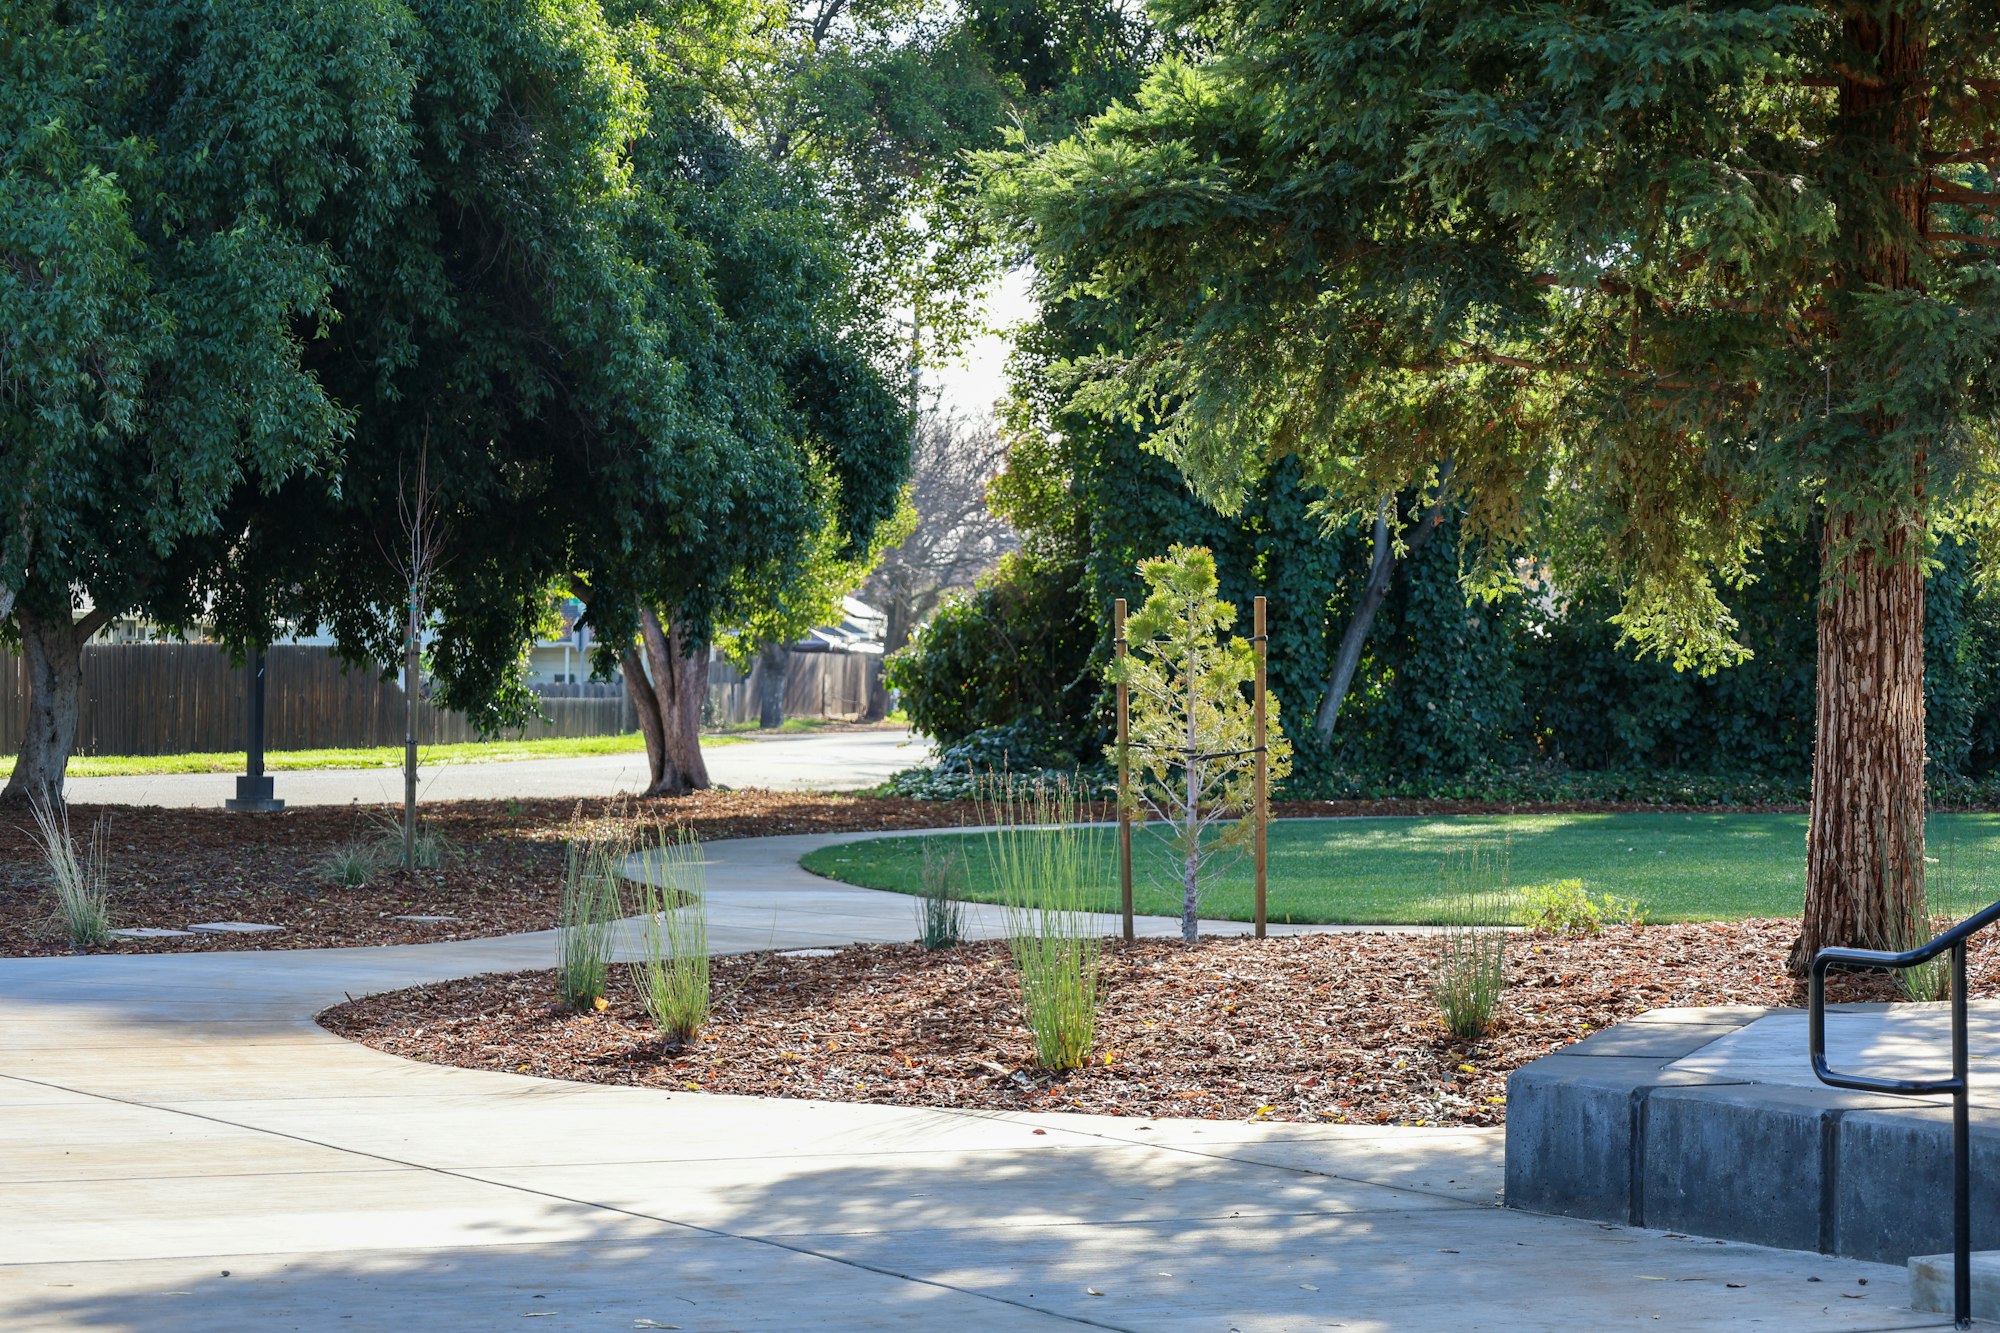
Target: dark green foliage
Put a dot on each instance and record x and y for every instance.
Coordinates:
(1015, 650)
(1440, 690)
(1027, 750)
(631, 348)
(177, 181)
(1598, 705)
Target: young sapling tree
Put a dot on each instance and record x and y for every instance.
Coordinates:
(1192, 743)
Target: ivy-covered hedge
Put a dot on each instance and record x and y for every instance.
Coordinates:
(1531, 698)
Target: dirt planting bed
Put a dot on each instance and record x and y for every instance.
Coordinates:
(1317, 1028)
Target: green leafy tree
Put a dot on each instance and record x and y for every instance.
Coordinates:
(1193, 734)
(1659, 281)
(634, 355)
(171, 178)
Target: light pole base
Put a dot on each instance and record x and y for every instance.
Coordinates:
(254, 795)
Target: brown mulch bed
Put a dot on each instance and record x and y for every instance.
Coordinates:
(1314, 1028)
(172, 868)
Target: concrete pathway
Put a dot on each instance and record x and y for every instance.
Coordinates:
(186, 1150)
(829, 761)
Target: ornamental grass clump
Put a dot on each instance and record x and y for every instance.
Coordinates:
(587, 921)
(672, 972)
(1951, 889)
(940, 913)
(424, 846)
(350, 866)
(1051, 870)
(1469, 947)
(81, 884)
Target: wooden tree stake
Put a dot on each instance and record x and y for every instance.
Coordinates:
(1124, 774)
(1262, 798)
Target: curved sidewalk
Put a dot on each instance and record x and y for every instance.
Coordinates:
(186, 1150)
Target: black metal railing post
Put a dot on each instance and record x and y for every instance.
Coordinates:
(1961, 1149)
(1958, 1086)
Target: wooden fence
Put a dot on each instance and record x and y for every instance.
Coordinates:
(185, 698)
(829, 685)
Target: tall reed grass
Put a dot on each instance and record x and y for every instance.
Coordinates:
(81, 884)
(1469, 947)
(587, 920)
(940, 912)
(672, 972)
(1049, 869)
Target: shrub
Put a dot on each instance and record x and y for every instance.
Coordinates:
(1049, 868)
(1469, 959)
(1566, 907)
(1017, 648)
(350, 866)
(672, 972)
(587, 923)
(430, 849)
(1027, 749)
(81, 885)
(940, 914)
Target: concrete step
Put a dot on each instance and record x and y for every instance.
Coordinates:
(1930, 1283)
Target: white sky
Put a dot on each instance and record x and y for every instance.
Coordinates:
(973, 382)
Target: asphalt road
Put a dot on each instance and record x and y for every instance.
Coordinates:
(833, 761)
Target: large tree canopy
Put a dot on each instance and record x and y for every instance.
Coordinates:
(628, 351)
(170, 174)
(1648, 280)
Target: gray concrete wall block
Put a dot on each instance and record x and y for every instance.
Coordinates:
(1569, 1135)
(1893, 1194)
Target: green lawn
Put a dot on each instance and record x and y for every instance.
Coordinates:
(471, 752)
(1679, 867)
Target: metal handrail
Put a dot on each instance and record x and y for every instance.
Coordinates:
(1958, 1085)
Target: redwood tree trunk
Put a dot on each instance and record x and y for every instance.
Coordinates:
(668, 686)
(53, 647)
(1865, 844)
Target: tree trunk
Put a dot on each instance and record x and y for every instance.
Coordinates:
(53, 647)
(1865, 844)
(776, 659)
(1381, 573)
(895, 633)
(878, 692)
(667, 687)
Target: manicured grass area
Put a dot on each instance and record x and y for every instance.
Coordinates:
(1680, 867)
(472, 752)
